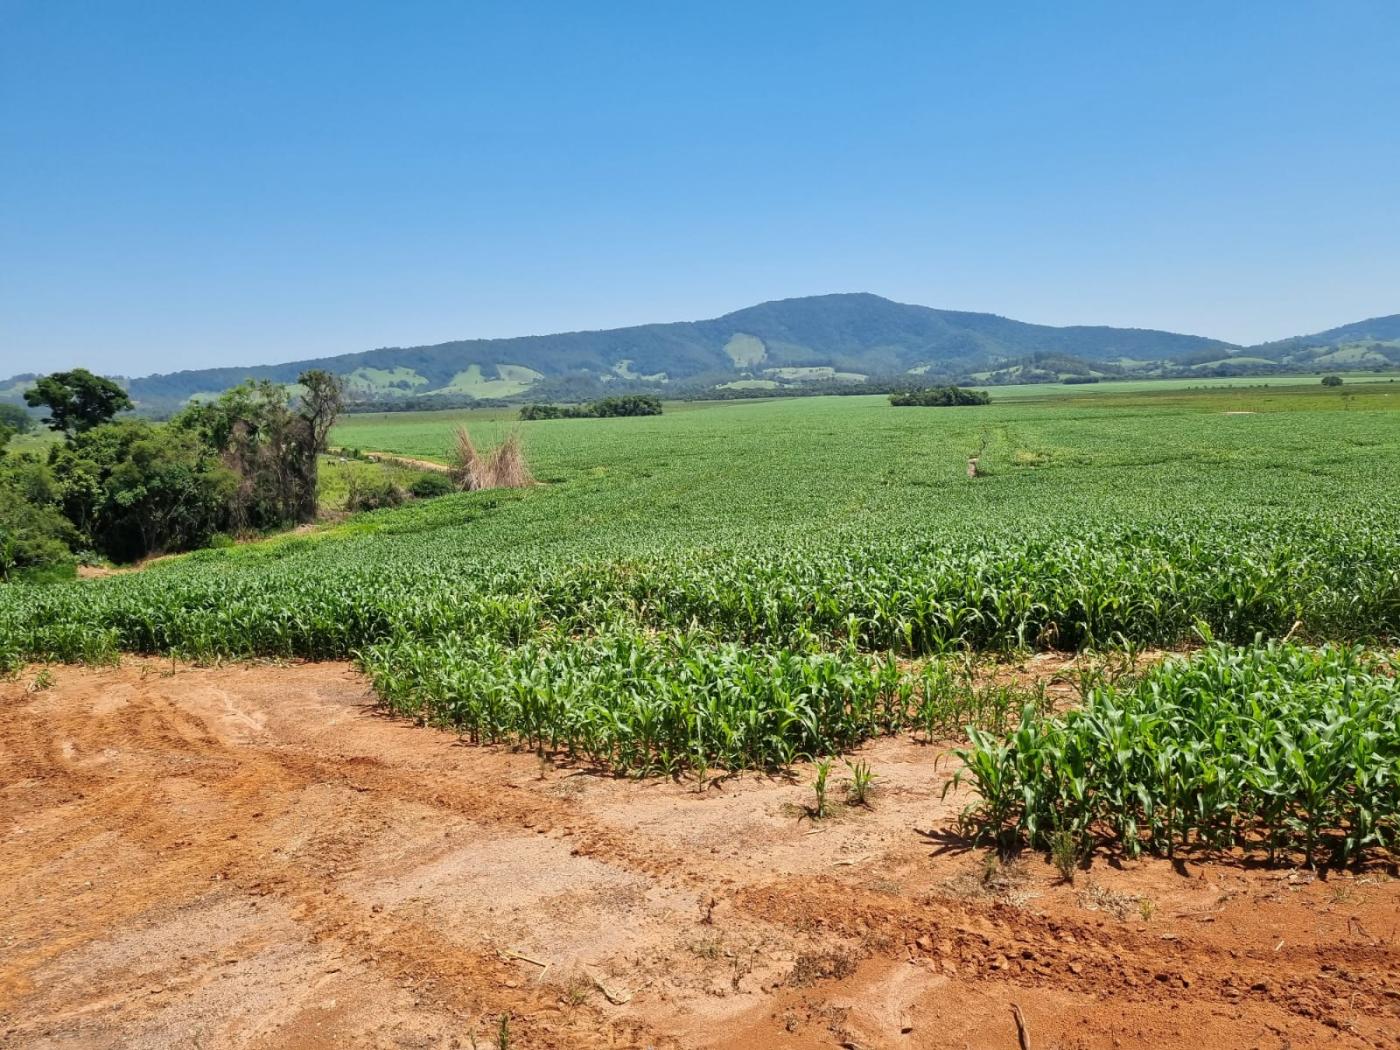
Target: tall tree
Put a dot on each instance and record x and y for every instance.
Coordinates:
(254, 432)
(134, 488)
(322, 399)
(270, 445)
(78, 400)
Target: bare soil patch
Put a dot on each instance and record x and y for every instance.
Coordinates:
(405, 461)
(252, 857)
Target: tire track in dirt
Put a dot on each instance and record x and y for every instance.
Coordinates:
(136, 801)
(468, 982)
(1333, 984)
(167, 734)
(239, 786)
(505, 805)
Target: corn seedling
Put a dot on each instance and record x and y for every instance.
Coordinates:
(819, 811)
(858, 787)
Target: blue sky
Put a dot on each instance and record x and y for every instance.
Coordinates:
(192, 184)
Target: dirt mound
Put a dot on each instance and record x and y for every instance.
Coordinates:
(253, 857)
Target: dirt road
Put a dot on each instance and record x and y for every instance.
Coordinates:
(252, 857)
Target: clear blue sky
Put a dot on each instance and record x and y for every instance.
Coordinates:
(190, 184)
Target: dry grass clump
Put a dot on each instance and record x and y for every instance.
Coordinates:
(810, 967)
(503, 467)
(993, 879)
(1095, 897)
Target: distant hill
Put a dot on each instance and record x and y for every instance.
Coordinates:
(1374, 343)
(848, 338)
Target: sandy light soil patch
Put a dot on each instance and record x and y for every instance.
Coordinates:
(252, 857)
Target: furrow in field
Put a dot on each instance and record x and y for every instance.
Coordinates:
(1330, 983)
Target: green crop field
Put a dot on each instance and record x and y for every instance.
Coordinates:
(742, 584)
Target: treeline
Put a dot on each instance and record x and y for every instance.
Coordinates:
(15, 419)
(624, 405)
(940, 396)
(421, 403)
(128, 488)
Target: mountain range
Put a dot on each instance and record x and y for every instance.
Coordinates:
(854, 338)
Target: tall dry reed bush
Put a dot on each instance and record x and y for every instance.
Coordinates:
(503, 467)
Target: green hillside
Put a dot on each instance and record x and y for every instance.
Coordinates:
(848, 337)
(827, 340)
(1369, 344)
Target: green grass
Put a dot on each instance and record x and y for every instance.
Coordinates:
(37, 441)
(516, 379)
(381, 380)
(1205, 386)
(814, 464)
(336, 473)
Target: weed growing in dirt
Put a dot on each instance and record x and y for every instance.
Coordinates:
(819, 811)
(862, 780)
(1067, 852)
(710, 948)
(577, 990)
(41, 681)
(700, 763)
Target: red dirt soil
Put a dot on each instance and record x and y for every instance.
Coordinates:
(253, 857)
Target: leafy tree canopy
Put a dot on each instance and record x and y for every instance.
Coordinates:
(133, 488)
(940, 396)
(78, 400)
(16, 419)
(625, 405)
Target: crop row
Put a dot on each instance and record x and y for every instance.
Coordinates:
(1264, 748)
(669, 703)
(1092, 586)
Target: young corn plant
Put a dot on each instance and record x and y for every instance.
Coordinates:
(820, 811)
(1275, 747)
(858, 787)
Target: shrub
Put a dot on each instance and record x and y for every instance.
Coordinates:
(531, 412)
(133, 488)
(627, 405)
(33, 537)
(373, 494)
(622, 405)
(939, 397)
(1331, 380)
(430, 486)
